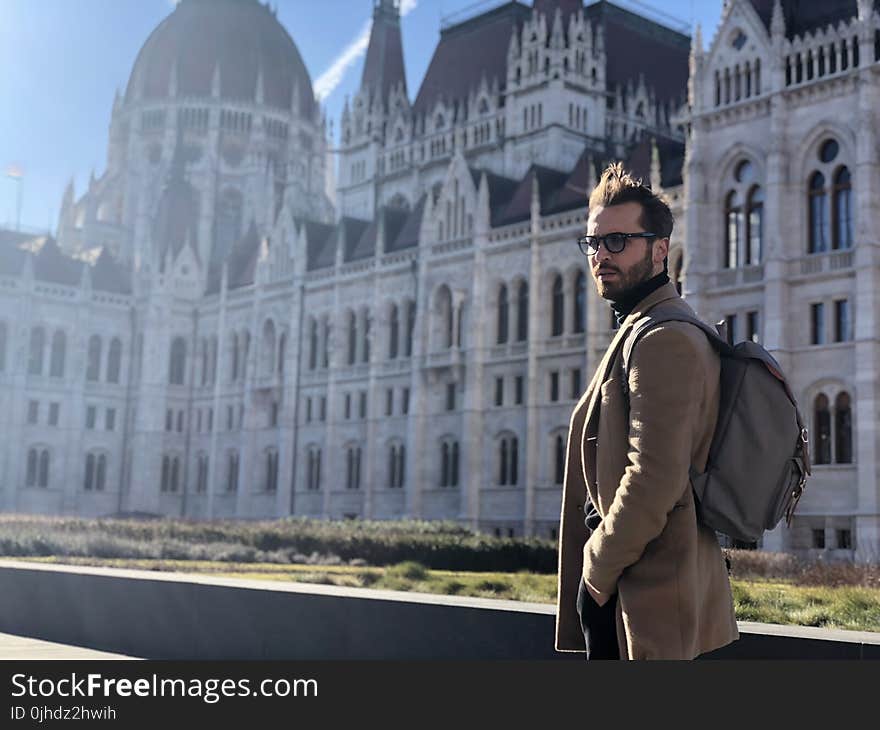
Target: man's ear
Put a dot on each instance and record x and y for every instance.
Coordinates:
(661, 250)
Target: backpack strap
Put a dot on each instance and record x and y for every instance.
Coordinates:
(658, 316)
(651, 320)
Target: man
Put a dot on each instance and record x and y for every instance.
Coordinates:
(640, 577)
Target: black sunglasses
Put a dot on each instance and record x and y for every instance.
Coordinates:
(614, 242)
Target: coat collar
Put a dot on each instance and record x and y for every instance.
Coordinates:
(664, 293)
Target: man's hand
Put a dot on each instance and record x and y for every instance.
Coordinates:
(600, 598)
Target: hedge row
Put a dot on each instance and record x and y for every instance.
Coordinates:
(439, 545)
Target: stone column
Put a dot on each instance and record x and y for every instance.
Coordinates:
(867, 322)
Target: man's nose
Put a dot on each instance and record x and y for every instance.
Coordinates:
(602, 254)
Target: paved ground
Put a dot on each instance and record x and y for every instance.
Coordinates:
(22, 647)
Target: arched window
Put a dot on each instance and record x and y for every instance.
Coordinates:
(442, 319)
(580, 298)
(114, 360)
(177, 362)
(514, 461)
(272, 469)
(202, 478)
(822, 430)
(366, 339)
(326, 344)
(755, 226)
(268, 354)
(310, 473)
(502, 315)
(245, 351)
(101, 472)
(93, 368)
(444, 464)
(232, 472)
(166, 474)
(228, 223)
(842, 210)
(449, 317)
(282, 352)
(502, 462)
(410, 326)
(56, 359)
(843, 429)
(820, 220)
(37, 345)
(233, 358)
(96, 472)
(2, 346)
(32, 465)
(175, 474)
(313, 343)
(558, 306)
(353, 464)
(393, 332)
(204, 348)
(213, 361)
(352, 337)
(522, 312)
(392, 466)
(733, 217)
(89, 479)
(453, 466)
(401, 465)
(559, 471)
(43, 478)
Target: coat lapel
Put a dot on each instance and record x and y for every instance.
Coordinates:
(589, 401)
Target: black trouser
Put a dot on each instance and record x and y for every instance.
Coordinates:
(599, 623)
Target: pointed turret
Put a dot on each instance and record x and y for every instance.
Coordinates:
(383, 67)
(260, 95)
(557, 35)
(172, 82)
(549, 8)
(777, 23)
(215, 82)
(655, 165)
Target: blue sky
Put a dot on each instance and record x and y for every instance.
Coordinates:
(62, 60)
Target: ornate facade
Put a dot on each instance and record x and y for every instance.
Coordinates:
(219, 331)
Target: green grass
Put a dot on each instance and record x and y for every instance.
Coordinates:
(776, 601)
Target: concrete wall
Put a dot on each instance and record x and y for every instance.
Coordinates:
(176, 616)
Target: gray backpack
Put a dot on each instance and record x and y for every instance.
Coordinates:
(759, 457)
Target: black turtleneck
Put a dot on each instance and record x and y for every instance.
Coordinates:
(627, 302)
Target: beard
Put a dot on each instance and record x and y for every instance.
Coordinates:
(624, 281)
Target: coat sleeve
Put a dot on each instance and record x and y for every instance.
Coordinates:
(665, 386)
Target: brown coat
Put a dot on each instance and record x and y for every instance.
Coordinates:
(674, 598)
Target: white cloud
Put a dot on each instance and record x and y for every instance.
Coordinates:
(330, 79)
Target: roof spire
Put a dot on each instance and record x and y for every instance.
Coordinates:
(777, 24)
(383, 67)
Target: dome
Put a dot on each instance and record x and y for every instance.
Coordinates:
(237, 39)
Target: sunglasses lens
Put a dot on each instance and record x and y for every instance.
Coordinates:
(615, 243)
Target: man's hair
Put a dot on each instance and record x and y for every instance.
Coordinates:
(617, 186)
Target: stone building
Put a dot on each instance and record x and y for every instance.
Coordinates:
(781, 194)
(220, 331)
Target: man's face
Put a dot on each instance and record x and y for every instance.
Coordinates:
(616, 273)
